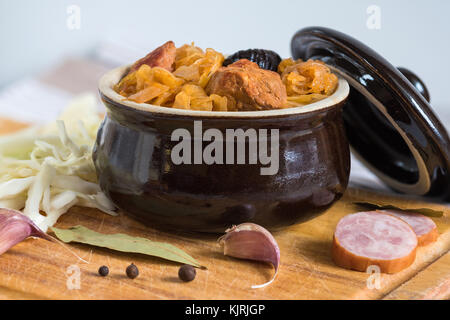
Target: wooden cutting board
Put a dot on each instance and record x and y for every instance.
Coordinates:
(37, 269)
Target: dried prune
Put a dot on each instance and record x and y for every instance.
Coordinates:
(266, 59)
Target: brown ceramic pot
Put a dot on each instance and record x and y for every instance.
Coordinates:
(136, 171)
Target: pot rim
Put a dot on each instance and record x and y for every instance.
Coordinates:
(112, 77)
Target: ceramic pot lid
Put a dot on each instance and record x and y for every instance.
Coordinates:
(390, 126)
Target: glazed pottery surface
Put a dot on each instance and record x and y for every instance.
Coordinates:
(135, 169)
(389, 121)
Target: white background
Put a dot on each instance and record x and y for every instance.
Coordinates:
(34, 35)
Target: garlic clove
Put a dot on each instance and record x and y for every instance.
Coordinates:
(16, 227)
(253, 242)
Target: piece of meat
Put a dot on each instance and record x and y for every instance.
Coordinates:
(248, 86)
(425, 228)
(372, 238)
(163, 56)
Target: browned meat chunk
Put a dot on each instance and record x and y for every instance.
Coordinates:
(163, 56)
(248, 87)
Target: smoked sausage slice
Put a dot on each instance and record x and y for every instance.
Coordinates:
(372, 238)
(425, 228)
(163, 57)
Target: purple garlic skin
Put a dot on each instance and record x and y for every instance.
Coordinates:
(253, 242)
(16, 227)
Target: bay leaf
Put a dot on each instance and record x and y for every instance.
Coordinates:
(425, 211)
(376, 199)
(125, 243)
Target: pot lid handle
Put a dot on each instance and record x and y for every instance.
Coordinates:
(389, 122)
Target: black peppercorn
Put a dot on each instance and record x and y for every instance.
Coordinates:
(187, 273)
(103, 271)
(132, 271)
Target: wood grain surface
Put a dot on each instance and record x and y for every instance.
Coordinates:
(37, 269)
(433, 283)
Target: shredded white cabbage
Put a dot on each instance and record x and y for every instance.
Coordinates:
(48, 169)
